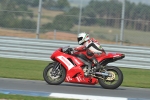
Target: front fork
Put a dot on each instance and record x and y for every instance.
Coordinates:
(56, 69)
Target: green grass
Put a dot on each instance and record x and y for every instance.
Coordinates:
(136, 77)
(23, 69)
(30, 69)
(19, 97)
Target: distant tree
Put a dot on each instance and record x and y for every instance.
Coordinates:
(62, 22)
(90, 19)
(27, 24)
(62, 4)
(49, 4)
(47, 26)
(65, 21)
(136, 15)
(14, 14)
(103, 9)
(74, 12)
(33, 3)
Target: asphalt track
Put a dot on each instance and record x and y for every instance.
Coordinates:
(67, 88)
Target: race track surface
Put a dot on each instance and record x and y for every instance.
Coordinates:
(42, 86)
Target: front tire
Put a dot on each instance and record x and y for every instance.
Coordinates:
(114, 81)
(56, 79)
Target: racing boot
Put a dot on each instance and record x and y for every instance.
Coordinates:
(98, 66)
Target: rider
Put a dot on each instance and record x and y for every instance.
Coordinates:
(92, 47)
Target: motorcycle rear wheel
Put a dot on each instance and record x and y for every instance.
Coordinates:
(114, 81)
(57, 79)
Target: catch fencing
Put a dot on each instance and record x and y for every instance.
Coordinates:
(120, 21)
(39, 49)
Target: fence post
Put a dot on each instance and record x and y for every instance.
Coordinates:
(122, 22)
(117, 38)
(54, 35)
(80, 14)
(39, 19)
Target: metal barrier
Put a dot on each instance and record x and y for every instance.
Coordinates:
(38, 49)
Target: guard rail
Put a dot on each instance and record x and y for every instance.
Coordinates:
(40, 49)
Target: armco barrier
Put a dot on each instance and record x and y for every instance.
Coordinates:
(39, 49)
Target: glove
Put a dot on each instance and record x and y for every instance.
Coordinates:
(70, 50)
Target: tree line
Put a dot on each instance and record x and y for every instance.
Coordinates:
(103, 13)
(108, 13)
(16, 13)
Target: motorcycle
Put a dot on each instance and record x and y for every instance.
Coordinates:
(68, 67)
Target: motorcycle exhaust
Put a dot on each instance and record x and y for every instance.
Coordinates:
(103, 74)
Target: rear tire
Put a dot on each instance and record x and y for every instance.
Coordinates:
(116, 73)
(54, 80)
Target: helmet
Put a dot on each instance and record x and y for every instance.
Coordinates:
(82, 37)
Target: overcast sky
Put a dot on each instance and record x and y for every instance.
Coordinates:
(142, 1)
(85, 2)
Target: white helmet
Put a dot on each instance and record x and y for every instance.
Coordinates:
(82, 37)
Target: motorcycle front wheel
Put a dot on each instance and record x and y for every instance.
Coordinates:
(114, 81)
(56, 76)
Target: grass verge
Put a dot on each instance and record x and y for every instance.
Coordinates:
(33, 70)
(19, 97)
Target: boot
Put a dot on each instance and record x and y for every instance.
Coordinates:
(98, 67)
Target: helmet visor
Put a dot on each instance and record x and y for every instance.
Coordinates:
(80, 38)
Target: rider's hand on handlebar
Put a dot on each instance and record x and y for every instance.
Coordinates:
(70, 50)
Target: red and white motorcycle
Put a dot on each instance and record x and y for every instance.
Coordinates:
(67, 67)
